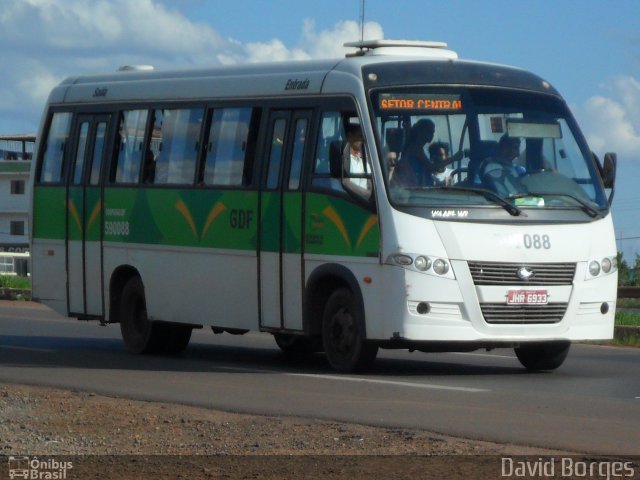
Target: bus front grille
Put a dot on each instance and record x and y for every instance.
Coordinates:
(495, 273)
(523, 314)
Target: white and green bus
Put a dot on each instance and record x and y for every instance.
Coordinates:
(229, 198)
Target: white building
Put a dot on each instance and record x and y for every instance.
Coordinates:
(16, 152)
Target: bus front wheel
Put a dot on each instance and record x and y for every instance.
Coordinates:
(343, 334)
(538, 356)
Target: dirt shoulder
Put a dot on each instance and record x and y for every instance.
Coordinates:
(122, 436)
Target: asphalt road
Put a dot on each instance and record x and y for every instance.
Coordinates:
(589, 405)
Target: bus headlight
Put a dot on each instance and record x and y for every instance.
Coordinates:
(422, 263)
(440, 266)
(599, 267)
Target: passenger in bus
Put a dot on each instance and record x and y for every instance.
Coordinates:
(414, 168)
(439, 155)
(149, 168)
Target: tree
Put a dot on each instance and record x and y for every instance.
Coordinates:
(623, 270)
(636, 272)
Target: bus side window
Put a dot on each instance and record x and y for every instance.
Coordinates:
(52, 165)
(300, 137)
(129, 142)
(333, 136)
(173, 147)
(331, 130)
(230, 147)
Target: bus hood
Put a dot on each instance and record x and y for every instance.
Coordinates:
(527, 243)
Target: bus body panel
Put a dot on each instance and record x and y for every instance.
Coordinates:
(194, 286)
(455, 303)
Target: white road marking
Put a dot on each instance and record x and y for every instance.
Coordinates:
(430, 386)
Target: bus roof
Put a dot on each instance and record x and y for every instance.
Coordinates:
(296, 78)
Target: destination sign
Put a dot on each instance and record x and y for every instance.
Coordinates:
(419, 102)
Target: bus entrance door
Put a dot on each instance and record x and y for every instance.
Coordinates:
(281, 274)
(84, 217)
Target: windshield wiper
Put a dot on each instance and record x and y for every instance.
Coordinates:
(489, 195)
(586, 208)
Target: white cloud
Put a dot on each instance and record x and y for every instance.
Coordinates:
(329, 43)
(314, 44)
(45, 41)
(611, 122)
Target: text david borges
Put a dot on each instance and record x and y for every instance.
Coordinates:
(567, 467)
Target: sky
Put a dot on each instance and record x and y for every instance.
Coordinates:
(588, 49)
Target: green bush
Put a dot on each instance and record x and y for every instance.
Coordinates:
(11, 281)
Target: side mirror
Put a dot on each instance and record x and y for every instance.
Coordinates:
(609, 170)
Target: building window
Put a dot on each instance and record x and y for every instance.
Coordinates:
(17, 187)
(6, 264)
(17, 228)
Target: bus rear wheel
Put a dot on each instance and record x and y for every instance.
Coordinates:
(142, 335)
(343, 334)
(537, 356)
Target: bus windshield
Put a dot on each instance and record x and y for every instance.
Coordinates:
(477, 147)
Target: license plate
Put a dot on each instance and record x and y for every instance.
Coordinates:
(527, 297)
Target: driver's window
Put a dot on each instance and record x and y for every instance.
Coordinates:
(341, 131)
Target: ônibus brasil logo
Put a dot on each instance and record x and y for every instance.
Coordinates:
(34, 468)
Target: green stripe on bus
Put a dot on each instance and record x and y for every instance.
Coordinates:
(337, 227)
(49, 207)
(226, 219)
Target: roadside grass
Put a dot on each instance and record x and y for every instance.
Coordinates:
(628, 334)
(628, 318)
(15, 288)
(12, 281)
(626, 340)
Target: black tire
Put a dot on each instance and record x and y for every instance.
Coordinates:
(297, 345)
(537, 356)
(175, 337)
(343, 334)
(142, 335)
